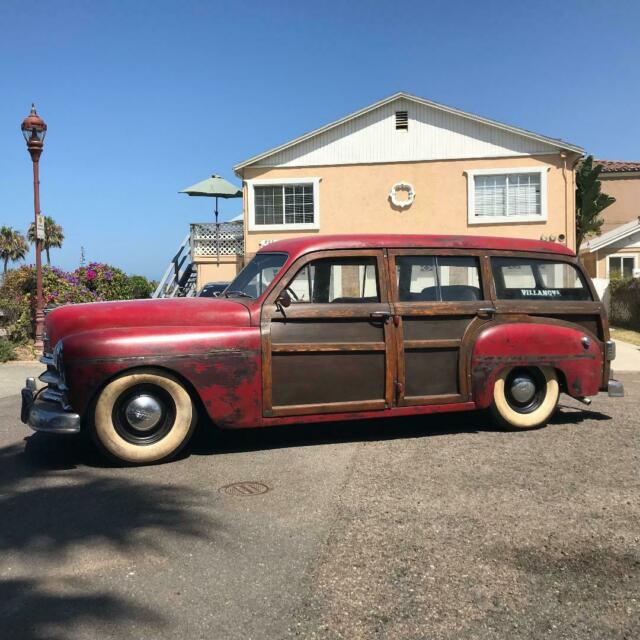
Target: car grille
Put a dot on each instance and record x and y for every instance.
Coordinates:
(56, 389)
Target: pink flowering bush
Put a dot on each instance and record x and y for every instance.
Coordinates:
(93, 283)
(106, 281)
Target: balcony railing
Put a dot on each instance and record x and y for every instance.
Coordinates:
(211, 240)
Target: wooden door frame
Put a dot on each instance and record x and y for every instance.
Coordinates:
(434, 309)
(339, 310)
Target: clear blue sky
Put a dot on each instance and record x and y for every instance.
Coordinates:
(144, 98)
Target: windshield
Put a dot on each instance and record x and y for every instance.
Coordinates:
(253, 280)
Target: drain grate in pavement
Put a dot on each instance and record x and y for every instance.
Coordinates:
(244, 489)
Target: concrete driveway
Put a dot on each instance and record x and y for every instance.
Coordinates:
(627, 357)
(425, 528)
(13, 375)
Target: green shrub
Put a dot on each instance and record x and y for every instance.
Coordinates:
(140, 287)
(7, 350)
(93, 283)
(624, 302)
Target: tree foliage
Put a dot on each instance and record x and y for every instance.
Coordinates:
(94, 283)
(53, 235)
(590, 201)
(13, 245)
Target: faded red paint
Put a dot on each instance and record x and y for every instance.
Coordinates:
(214, 344)
(507, 344)
(169, 312)
(297, 247)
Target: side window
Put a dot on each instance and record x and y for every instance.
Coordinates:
(530, 279)
(438, 278)
(336, 280)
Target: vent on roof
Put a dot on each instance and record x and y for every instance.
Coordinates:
(402, 120)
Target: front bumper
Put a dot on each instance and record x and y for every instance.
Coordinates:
(45, 415)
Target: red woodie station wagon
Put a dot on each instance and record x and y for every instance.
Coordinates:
(331, 328)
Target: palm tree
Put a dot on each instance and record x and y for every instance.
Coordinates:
(13, 245)
(590, 201)
(53, 235)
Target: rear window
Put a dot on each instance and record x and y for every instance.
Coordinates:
(530, 279)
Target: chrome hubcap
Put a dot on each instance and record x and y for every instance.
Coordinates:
(523, 389)
(143, 412)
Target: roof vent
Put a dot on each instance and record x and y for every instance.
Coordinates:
(402, 121)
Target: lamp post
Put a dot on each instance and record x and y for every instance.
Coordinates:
(34, 130)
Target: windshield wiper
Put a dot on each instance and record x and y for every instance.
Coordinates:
(242, 294)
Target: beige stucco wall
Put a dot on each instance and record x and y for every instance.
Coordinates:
(354, 198)
(210, 270)
(600, 259)
(626, 191)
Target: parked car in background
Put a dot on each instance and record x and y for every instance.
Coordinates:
(212, 289)
(331, 328)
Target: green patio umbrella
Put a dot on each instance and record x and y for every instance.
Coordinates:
(214, 187)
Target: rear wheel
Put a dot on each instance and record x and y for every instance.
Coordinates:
(143, 417)
(525, 397)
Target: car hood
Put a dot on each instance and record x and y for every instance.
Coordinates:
(167, 312)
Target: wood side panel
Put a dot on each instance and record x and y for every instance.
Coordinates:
(303, 347)
(329, 330)
(444, 327)
(334, 407)
(327, 377)
(327, 357)
(431, 372)
(432, 344)
(445, 399)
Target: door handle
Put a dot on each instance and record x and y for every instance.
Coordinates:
(380, 316)
(486, 312)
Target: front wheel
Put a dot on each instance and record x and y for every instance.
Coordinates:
(525, 397)
(143, 417)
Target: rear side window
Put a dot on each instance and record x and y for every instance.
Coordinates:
(530, 279)
(437, 278)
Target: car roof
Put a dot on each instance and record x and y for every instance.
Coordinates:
(305, 244)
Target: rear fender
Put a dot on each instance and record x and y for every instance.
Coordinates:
(552, 344)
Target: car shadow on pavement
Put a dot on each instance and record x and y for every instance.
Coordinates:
(53, 513)
(209, 440)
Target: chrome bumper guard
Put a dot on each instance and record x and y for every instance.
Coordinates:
(615, 389)
(43, 411)
(610, 350)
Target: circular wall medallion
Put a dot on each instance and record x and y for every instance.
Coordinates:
(402, 186)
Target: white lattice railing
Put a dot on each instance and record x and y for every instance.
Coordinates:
(225, 240)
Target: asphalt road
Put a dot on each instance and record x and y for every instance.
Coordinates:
(423, 528)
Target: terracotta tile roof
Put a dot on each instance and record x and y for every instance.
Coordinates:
(618, 166)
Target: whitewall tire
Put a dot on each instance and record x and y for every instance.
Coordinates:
(143, 417)
(525, 397)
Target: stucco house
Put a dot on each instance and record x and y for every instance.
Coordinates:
(617, 250)
(405, 165)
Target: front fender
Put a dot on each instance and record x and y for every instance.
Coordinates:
(510, 344)
(222, 365)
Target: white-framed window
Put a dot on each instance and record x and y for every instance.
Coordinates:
(499, 196)
(283, 203)
(621, 265)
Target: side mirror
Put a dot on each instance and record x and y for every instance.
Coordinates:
(283, 300)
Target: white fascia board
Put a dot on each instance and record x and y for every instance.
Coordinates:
(559, 144)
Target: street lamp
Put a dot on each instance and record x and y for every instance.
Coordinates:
(34, 130)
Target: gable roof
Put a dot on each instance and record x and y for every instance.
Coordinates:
(401, 95)
(615, 235)
(619, 166)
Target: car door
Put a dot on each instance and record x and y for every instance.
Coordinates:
(436, 295)
(332, 350)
